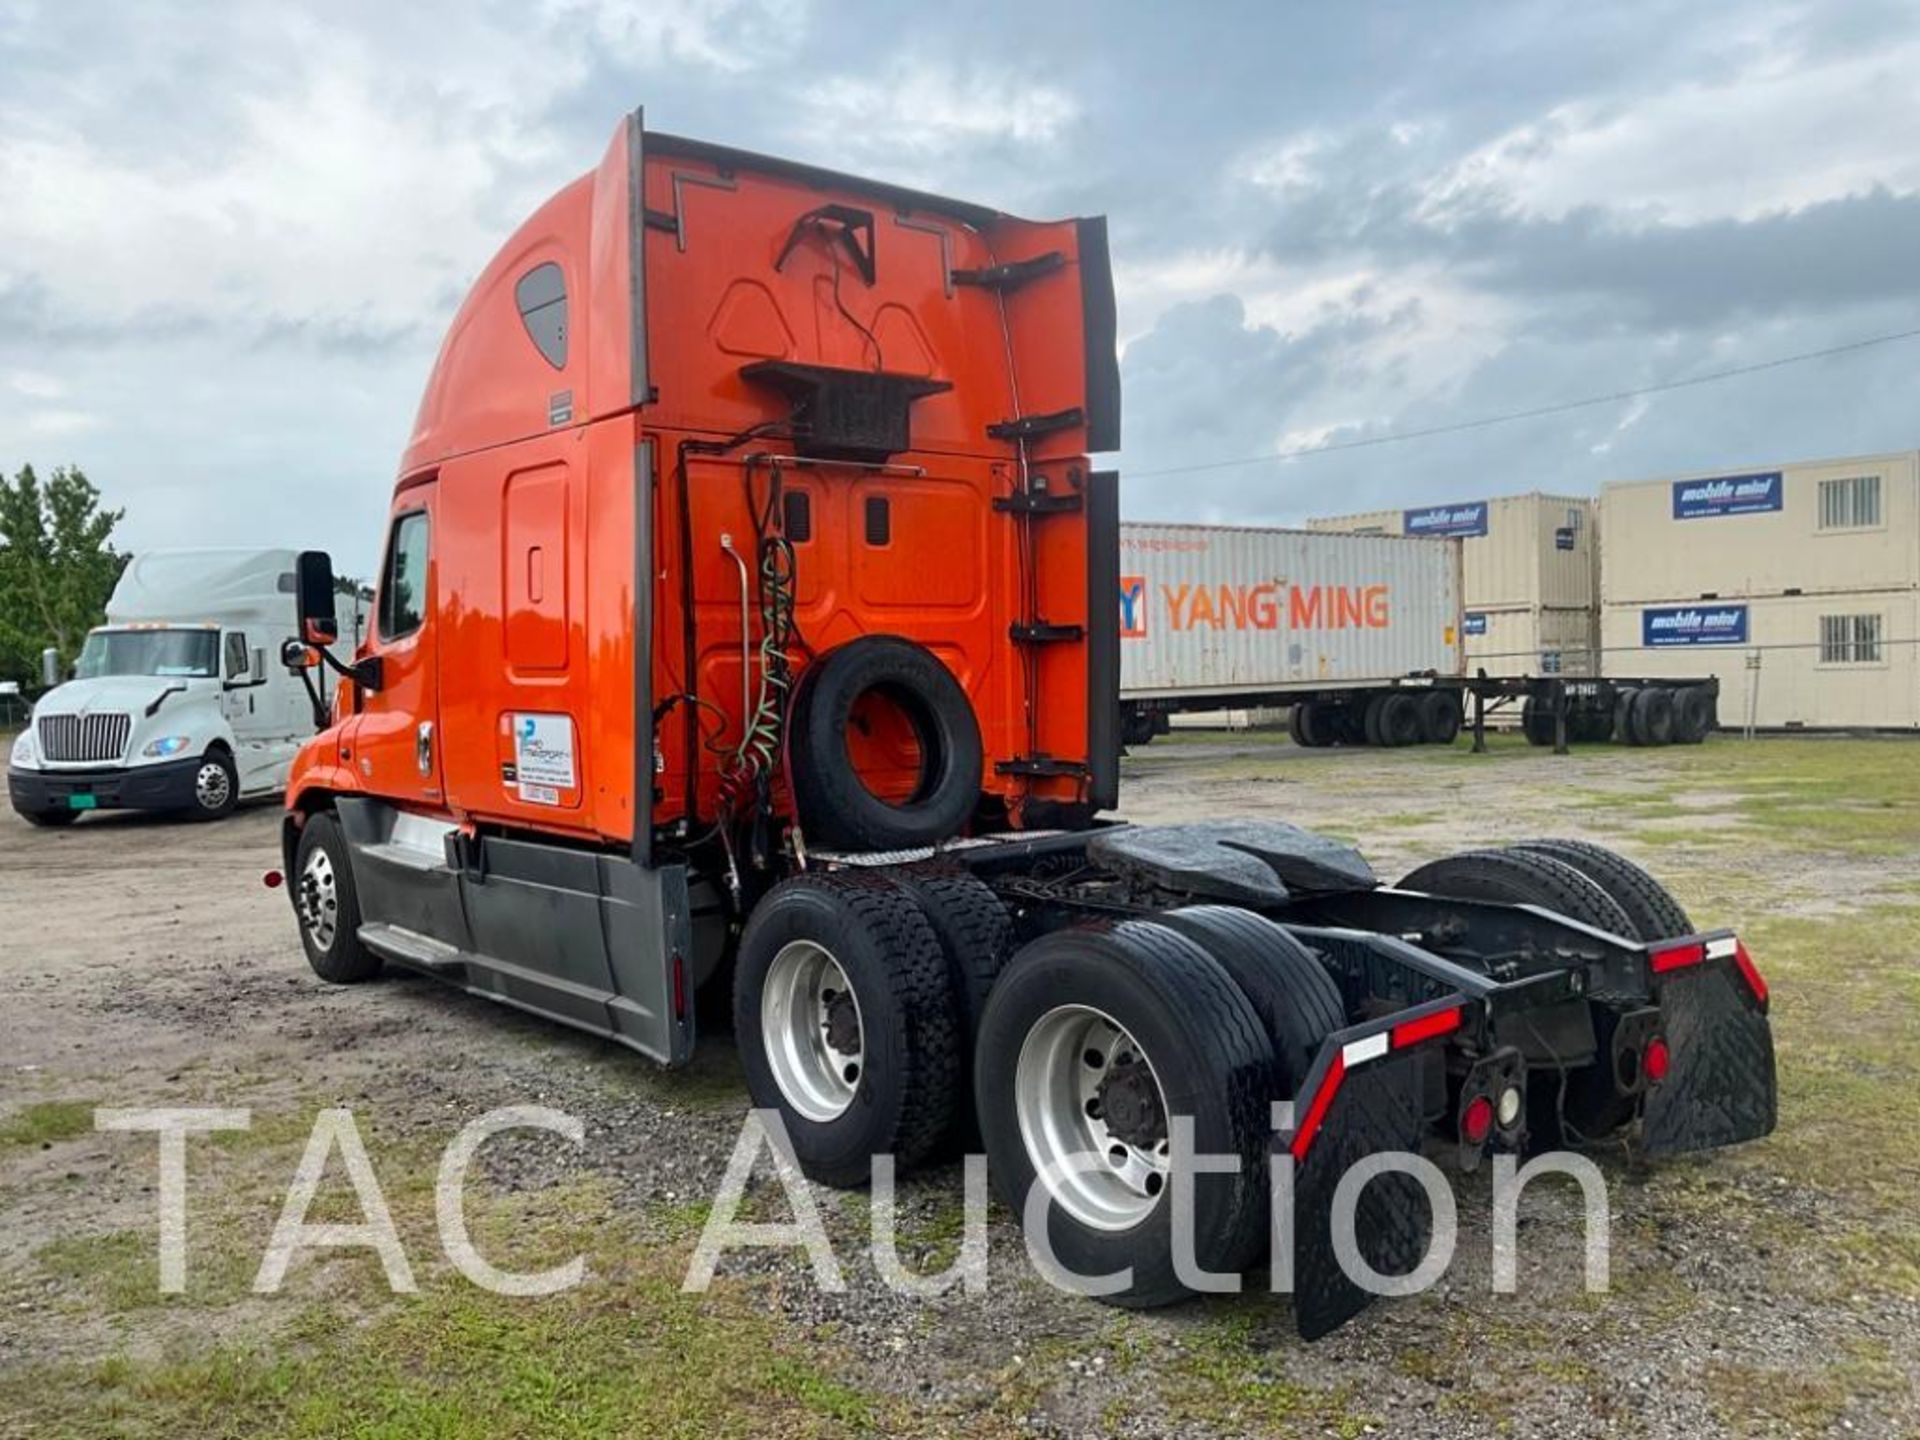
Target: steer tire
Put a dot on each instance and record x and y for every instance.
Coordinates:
(216, 786)
(327, 905)
(976, 937)
(1693, 715)
(1652, 716)
(1655, 914)
(1211, 1058)
(1516, 877)
(832, 801)
(1290, 990)
(908, 1078)
(1439, 717)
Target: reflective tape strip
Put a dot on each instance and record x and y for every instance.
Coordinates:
(1358, 1052)
(1720, 949)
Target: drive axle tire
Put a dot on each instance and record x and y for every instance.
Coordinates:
(327, 905)
(976, 937)
(1440, 717)
(845, 1023)
(1648, 904)
(833, 801)
(1652, 717)
(1092, 1039)
(1515, 877)
(1289, 989)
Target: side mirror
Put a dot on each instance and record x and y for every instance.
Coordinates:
(313, 574)
(298, 655)
(50, 667)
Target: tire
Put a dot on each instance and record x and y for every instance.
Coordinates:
(1370, 716)
(1348, 725)
(216, 786)
(1593, 724)
(48, 819)
(1536, 720)
(1623, 714)
(1203, 1045)
(900, 1095)
(1587, 1102)
(976, 938)
(1398, 722)
(327, 905)
(1136, 729)
(1516, 877)
(831, 799)
(1440, 717)
(1298, 726)
(1648, 904)
(1652, 716)
(1311, 725)
(1693, 715)
(1289, 989)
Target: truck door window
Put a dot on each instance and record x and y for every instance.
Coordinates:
(236, 654)
(541, 294)
(403, 587)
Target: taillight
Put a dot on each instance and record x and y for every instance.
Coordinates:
(1657, 1062)
(1750, 971)
(1476, 1121)
(1677, 957)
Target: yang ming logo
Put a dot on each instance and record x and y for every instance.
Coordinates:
(1133, 607)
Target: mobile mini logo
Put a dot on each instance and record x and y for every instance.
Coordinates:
(1133, 607)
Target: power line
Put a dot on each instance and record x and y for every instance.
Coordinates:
(1558, 409)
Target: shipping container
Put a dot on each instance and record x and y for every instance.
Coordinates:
(1518, 551)
(1210, 610)
(1819, 662)
(1813, 528)
(1533, 640)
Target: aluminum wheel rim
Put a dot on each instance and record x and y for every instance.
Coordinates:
(319, 899)
(816, 1077)
(1098, 1178)
(210, 786)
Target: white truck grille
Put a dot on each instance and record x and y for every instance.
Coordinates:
(84, 737)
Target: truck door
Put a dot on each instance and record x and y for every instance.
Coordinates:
(398, 741)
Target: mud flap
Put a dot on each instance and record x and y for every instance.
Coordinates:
(1375, 1109)
(1721, 1088)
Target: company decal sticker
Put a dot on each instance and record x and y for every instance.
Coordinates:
(543, 757)
(1475, 624)
(1133, 607)
(1662, 626)
(1753, 494)
(1271, 605)
(1467, 519)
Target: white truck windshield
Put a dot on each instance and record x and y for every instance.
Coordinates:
(185, 654)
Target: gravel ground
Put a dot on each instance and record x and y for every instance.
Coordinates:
(144, 963)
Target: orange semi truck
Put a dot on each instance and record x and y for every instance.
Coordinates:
(748, 627)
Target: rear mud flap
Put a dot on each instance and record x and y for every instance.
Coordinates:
(1376, 1110)
(1721, 1089)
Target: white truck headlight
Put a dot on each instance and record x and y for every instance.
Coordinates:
(23, 752)
(166, 745)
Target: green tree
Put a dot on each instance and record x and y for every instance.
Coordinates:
(57, 566)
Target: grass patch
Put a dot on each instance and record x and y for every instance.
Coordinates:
(47, 1123)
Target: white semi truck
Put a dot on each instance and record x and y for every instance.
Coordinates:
(179, 702)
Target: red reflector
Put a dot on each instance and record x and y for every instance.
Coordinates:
(1658, 1061)
(679, 988)
(1476, 1121)
(272, 879)
(1441, 1022)
(1751, 971)
(1679, 957)
(1317, 1111)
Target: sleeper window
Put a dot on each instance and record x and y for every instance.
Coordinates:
(541, 294)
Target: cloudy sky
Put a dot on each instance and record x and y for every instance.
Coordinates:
(231, 234)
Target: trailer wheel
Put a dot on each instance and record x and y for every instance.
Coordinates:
(1592, 724)
(1655, 914)
(845, 1023)
(1652, 716)
(876, 684)
(1623, 714)
(1136, 728)
(1289, 989)
(1311, 725)
(1439, 717)
(1692, 715)
(1393, 719)
(1536, 720)
(1094, 1038)
(976, 936)
(328, 906)
(1522, 877)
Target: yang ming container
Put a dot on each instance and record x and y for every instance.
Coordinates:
(1211, 611)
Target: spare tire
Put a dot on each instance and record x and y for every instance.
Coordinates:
(894, 703)
(1652, 717)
